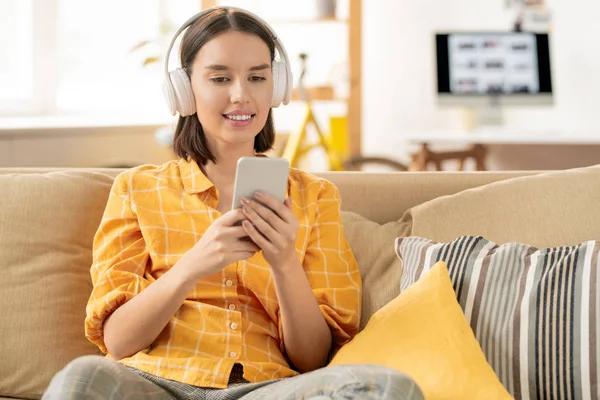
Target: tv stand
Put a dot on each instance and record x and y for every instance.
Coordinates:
(485, 116)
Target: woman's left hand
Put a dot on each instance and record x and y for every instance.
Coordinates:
(273, 227)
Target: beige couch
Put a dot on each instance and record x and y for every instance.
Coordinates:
(48, 218)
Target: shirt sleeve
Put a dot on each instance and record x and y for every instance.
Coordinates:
(332, 269)
(119, 261)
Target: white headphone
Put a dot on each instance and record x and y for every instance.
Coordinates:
(178, 89)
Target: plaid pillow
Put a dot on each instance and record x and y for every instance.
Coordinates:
(535, 312)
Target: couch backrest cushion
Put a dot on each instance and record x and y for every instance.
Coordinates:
(385, 197)
(47, 222)
(380, 268)
(545, 210)
(379, 196)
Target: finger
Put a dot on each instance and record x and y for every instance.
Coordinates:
(288, 203)
(274, 204)
(230, 218)
(237, 232)
(265, 221)
(257, 237)
(253, 209)
(246, 244)
(244, 255)
(254, 249)
(242, 243)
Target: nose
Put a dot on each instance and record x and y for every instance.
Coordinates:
(240, 92)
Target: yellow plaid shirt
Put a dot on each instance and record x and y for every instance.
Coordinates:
(154, 215)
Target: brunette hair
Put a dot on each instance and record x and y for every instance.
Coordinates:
(189, 141)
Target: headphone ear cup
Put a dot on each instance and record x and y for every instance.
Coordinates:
(181, 93)
(279, 83)
(169, 94)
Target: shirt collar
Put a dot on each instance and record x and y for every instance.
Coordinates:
(194, 180)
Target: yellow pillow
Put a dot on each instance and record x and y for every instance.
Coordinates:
(424, 333)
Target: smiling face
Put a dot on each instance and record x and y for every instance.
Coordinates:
(233, 85)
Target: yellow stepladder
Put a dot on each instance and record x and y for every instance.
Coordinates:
(296, 146)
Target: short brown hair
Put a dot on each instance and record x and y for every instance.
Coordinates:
(189, 140)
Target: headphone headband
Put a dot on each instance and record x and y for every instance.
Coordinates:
(278, 45)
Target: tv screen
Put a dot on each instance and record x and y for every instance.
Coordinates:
(511, 63)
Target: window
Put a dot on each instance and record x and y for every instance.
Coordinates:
(75, 57)
(16, 60)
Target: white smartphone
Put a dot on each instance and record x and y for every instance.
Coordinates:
(268, 175)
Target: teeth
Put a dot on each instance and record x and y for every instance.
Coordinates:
(239, 117)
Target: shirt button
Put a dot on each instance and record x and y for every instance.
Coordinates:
(232, 307)
(229, 282)
(233, 354)
(234, 326)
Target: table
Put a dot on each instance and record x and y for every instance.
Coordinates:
(476, 142)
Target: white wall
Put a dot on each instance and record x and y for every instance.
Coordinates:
(92, 147)
(398, 74)
(81, 147)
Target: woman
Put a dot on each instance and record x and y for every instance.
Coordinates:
(188, 303)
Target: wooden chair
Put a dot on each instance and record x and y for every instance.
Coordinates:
(422, 158)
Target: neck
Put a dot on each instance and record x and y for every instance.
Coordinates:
(222, 172)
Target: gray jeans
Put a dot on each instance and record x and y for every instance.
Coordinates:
(98, 378)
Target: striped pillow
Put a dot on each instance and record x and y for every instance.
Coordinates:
(535, 312)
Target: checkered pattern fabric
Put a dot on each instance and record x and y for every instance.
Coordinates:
(155, 214)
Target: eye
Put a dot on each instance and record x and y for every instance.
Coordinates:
(219, 79)
(257, 78)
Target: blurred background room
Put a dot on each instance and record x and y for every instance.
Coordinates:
(379, 84)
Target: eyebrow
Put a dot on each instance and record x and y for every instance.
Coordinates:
(219, 67)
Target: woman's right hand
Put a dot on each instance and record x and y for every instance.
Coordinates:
(224, 242)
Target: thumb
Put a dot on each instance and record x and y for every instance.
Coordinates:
(230, 218)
